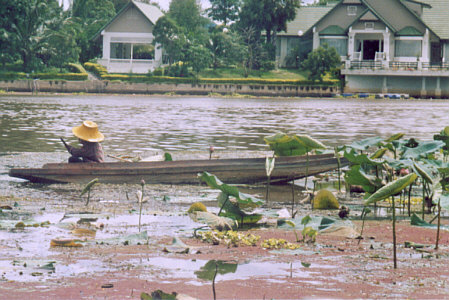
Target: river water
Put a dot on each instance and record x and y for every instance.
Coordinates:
(143, 123)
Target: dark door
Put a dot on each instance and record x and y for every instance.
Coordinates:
(435, 53)
(370, 47)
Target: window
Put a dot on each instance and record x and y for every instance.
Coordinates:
(341, 45)
(143, 51)
(369, 25)
(352, 10)
(408, 48)
(120, 51)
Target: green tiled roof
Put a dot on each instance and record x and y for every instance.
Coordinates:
(409, 31)
(306, 16)
(437, 17)
(333, 30)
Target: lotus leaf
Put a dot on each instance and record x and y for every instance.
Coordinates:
(395, 137)
(423, 149)
(392, 188)
(232, 210)
(379, 153)
(214, 221)
(309, 143)
(425, 172)
(360, 159)
(209, 270)
(89, 186)
(366, 143)
(356, 176)
(243, 199)
(285, 145)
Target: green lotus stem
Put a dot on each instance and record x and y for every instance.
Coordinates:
(338, 168)
(409, 198)
(221, 208)
(213, 280)
(439, 224)
(394, 234)
(423, 197)
(293, 196)
(307, 170)
(88, 197)
(268, 188)
(142, 183)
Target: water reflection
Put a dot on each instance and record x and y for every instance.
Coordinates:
(141, 123)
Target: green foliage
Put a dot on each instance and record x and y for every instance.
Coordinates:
(197, 206)
(229, 238)
(199, 58)
(324, 199)
(392, 188)
(90, 16)
(320, 61)
(285, 145)
(224, 10)
(171, 37)
(34, 31)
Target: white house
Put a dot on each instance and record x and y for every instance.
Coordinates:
(387, 46)
(127, 40)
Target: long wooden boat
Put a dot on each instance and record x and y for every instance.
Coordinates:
(240, 170)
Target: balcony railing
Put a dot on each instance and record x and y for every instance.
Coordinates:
(402, 65)
(366, 64)
(440, 66)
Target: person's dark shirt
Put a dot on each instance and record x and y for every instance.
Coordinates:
(89, 152)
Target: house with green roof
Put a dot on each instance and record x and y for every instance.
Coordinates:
(128, 37)
(386, 46)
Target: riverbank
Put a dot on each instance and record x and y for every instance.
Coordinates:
(117, 87)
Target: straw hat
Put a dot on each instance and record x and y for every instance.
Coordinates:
(88, 131)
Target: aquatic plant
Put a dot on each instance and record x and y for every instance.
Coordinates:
(269, 166)
(232, 201)
(197, 206)
(324, 199)
(87, 189)
(390, 190)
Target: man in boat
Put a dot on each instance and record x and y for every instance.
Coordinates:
(90, 137)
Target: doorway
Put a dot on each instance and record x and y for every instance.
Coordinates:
(370, 47)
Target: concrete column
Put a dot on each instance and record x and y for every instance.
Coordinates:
(438, 88)
(388, 55)
(106, 46)
(426, 47)
(351, 38)
(384, 85)
(157, 55)
(423, 87)
(316, 38)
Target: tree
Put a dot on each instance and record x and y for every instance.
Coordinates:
(187, 15)
(271, 15)
(31, 24)
(91, 15)
(320, 61)
(171, 37)
(199, 57)
(224, 10)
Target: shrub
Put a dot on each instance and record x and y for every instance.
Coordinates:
(158, 72)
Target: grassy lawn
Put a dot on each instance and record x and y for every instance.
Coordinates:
(238, 73)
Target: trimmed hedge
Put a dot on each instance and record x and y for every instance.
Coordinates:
(43, 76)
(76, 68)
(97, 69)
(167, 79)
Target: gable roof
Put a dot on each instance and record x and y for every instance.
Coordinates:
(151, 12)
(306, 21)
(437, 17)
(309, 16)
